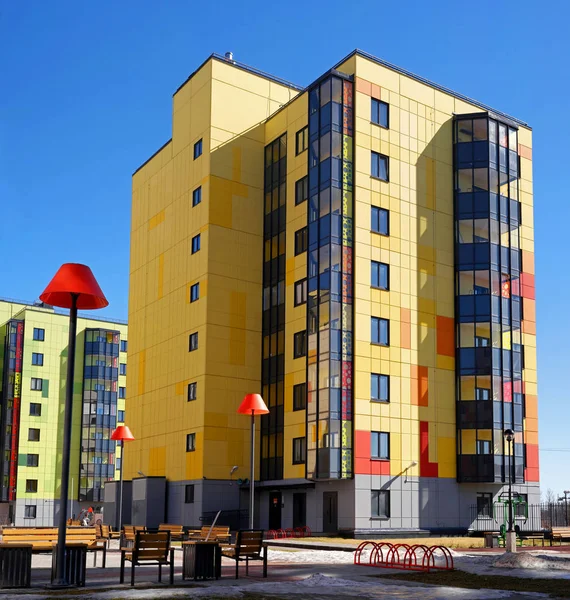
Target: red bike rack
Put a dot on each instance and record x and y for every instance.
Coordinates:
(417, 557)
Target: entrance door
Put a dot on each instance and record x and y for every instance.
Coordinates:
(275, 510)
(330, 512)
(299, 510)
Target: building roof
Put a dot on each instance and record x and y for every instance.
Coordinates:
(39, 306)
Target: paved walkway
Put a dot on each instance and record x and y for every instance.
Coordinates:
(317, 578)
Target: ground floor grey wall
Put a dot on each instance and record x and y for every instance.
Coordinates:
(47, 513)
(210, 496)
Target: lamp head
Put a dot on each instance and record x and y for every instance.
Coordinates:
(234, 469)
(414, 463)
(509, 435)
(74, 280)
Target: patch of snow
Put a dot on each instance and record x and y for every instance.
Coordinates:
(527, 560)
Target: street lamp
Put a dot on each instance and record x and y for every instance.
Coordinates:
(74, 286)
(511, 544)
(121, 435)
(565, 499)
(252, 404)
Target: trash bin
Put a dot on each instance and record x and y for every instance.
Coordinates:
(75, 564)
(201, 560)
(491, 540)
(15, 565)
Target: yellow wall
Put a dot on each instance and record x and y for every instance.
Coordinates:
(225, 107)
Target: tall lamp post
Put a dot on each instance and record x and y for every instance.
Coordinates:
(74, 287)
(253, 405)
(121, 435)
(565, 499)
(511, 540)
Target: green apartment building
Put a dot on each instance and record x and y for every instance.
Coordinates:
(33, 363)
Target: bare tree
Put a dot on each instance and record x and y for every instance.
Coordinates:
(549, 496)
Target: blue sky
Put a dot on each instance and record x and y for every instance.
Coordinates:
(86, 97)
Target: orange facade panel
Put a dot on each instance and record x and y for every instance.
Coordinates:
(445, 336)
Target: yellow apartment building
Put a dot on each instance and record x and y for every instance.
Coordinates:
(360, 252)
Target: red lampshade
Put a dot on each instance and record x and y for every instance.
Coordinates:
(253, 404)
(122, 434)
(73, 278)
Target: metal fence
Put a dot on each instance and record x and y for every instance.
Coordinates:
(534, 517)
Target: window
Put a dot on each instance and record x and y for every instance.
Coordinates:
(29, 511)
(300, 292)
(33, 460)
(197, 196)
(33, 435)
(31, 486)
(195, 244)
(301, 190)
(379, 166)
(121, 416)
(379, 275)
(193, 342)
(521, 510)
(194, 292)
(35, 409)
(191, 442)
(299, 450)
(192, 391)
(300, 344)
(39, 336)
(300, 241)
(123, 345)
(379, 387)
(122, 368)
(118, 464)
(482, 394)
(380, 331)
(484, 504)
(302, 140)
(380, 504)
(189, 493)
(379, 113)
(482, 342)
(380, 445)
(483, 447)
(36, 384)
(379, 222)
(299, 396)
(122, 393)
(197, 149)
(37, 359)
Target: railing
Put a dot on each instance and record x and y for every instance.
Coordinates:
(534, 517)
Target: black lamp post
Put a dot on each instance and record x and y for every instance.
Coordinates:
(73, 287)
(565, 499)
(509, 438)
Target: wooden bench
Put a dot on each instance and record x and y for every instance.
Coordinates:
(533, 536)
(221, 534)
(559, 533)
(129, 533)
(176, 531)
(103, 533)
(43, 539)
(249, 546)
(149, 548)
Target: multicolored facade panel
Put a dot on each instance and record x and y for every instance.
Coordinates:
(329, 276)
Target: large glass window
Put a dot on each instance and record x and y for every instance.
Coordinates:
(380, 445)
(379, 112)
(380, 331)
(300, 292)
(37, 359)
(379, 387)
(300, 344)
(36, 384)
(299, 450)
(379, 275)
(300, 241)
(301, 190)
(380, 500)
(379, 221)
(301, 140)
(300, 396)
(484, 504)
(379, 166)
(39, 334)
